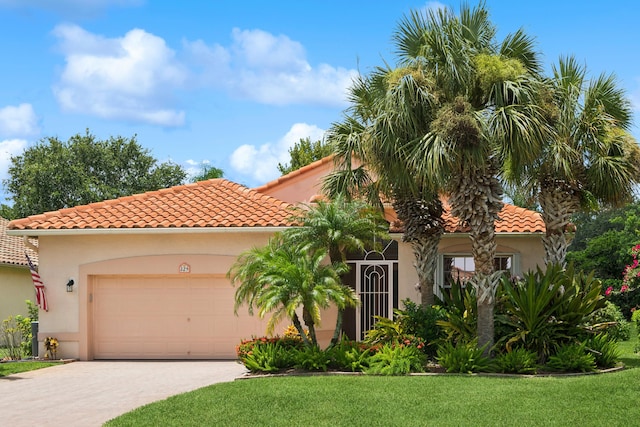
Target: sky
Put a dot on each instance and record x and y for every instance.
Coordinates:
(234, 85)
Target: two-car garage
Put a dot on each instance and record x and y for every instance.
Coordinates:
(167, 317)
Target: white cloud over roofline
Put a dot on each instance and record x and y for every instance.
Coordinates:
(261, 162)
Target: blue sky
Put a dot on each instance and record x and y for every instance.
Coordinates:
(235, 85)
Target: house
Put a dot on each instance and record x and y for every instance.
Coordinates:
(15, 278)
(149, 270)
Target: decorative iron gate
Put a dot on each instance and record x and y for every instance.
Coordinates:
(375, 285)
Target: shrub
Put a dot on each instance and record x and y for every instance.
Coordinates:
(464, 358)
(387, 331)
(517, 361)
(461, 316)
(350, 356)
(312, 359)
(11, 338)
(270, 357)
(610, 319)
(421, 322)
(247, 346)
(635, 318)
(604, 350)
(572, 358)
(394, 359)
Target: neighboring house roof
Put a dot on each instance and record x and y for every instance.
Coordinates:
(215, 203)
(12, 248)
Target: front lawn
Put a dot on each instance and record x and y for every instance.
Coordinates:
(8, 368)
(591, 400)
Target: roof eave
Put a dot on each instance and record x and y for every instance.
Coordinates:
(159, 230)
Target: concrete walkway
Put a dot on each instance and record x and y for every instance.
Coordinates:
(90, 393)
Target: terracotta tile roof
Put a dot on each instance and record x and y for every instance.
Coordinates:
(513, 219)
(294, 174)
(212, 203)
(12, 247)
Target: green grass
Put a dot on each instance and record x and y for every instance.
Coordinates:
(592, 400)
(9, 368)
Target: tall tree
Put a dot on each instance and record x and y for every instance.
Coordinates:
(207, 172)
(485, 113)
(590, 158)
(371, 161)
(303, 153)
(54, 174)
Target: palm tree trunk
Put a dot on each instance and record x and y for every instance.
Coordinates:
(296, 322)
(308, 321)
(476, 199)
(423, 228)
(558, 203)
(338, 330)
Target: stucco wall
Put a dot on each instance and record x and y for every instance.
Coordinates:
(15, 287)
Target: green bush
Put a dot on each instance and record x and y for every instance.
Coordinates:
(421, 322)
(269, 358)
(312, 359)
(350, 356)
(393, 359)
(246, 346)
(387, 331)
(11, 338)
(517, 361)
(461, 315)
(604, 350)
(572, 358)
(463, 358)
(610, 319)
(635, 318)
(547, 309)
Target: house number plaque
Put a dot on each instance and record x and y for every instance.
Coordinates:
(184, 268)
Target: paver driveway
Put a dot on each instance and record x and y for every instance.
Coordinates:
(89, 393)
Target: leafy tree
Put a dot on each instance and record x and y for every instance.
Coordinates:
(603, 241)
(208, 172)
(283, 277)
(54, 174)
(304, 152)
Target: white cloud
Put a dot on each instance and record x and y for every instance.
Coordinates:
(269, 69)
(18, 120)
(261, 163)
(129, 78)
(435, 5)
(9, 148)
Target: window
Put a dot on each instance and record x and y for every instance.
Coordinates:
(462, 268)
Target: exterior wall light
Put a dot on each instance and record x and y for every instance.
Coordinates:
(70, 285)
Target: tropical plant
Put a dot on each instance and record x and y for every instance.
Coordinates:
(370, 163)
(312, 359)
(461, 319)
(269, 357)
(282, 277)
(393, 359)
(517, 361)
(387, 331)
(337, 227)
(463, 357)
(604, 349)
(572, 358)
(421, 321)
(484, 109)
(610, 319)
(590, 157)
(350, 355)
(548, 308)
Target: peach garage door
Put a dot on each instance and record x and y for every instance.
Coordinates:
(168, 317)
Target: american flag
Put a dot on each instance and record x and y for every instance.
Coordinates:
(41, 299)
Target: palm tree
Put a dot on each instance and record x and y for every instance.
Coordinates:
(371, 160)
(591, 156)
(337, 227)
(485, 114)
(283, 277)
